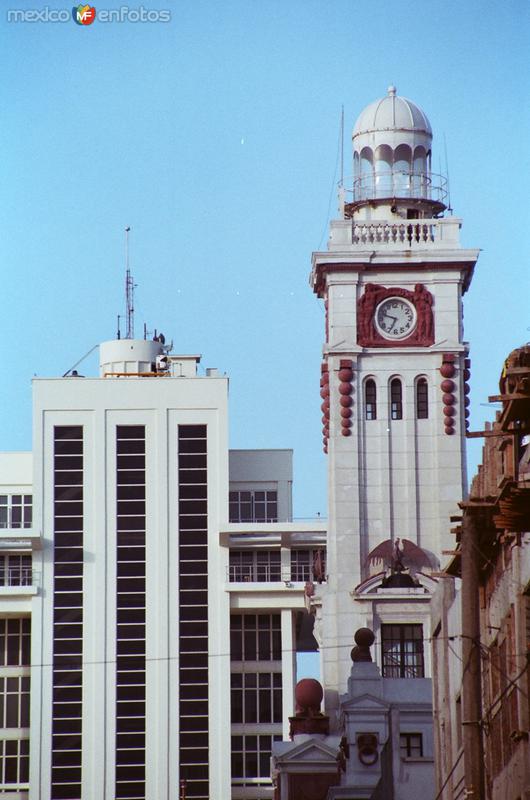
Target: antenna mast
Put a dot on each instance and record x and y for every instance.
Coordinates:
(129, 290)
(342, 146)
(448, 179)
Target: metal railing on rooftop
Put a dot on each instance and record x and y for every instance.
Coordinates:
(382, 184)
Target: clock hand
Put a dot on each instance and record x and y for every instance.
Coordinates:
(388, 316)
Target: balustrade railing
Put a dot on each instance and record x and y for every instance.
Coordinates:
(395, 233)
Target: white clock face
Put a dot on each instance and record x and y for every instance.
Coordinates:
(395, 318)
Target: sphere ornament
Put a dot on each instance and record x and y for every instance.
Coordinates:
(447, 370)
(308, 694)
(364, 639)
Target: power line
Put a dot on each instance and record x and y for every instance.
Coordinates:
(227, 654)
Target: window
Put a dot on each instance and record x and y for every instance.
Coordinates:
(370, 399)
(396, 399)
(14, 701)
(411, 745)
(15, 570)
(15, 637)
(422, 399)
(14, 761)
(308, 565)
(251, 757)
(253, 506)
(255, 637)
(256, 697)
(15, 510)
(254, 565)
(402, 651)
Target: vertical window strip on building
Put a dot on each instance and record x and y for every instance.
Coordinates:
(15, 637)
(193, 610)
(67, 613)
(130, 612)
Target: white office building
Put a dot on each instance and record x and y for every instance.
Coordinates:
(151, 588)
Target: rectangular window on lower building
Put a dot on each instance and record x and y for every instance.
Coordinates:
(15, 570)
(14, 761)
(255, 637)
(251, 758)
(411, 745)
(253, 506)
(15, 510)
(402, 651)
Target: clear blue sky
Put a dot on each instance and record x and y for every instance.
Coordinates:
(215, 138)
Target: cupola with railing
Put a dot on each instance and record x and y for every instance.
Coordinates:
(392, 176)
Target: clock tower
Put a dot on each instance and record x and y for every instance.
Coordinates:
(394, 385)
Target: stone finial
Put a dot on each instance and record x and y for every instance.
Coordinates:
(364, 639)
(309, 719)
(308, 694)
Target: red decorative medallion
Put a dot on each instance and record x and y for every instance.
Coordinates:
(395, 317)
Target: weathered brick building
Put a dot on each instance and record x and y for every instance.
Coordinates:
(482, 622)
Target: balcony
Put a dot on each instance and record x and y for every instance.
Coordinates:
(266, 567)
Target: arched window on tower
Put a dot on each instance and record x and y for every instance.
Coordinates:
(365, 186)
(383, 171)
(370, 399)
(396, 399)
(421, 173)
(422, 399)
(401, 170)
